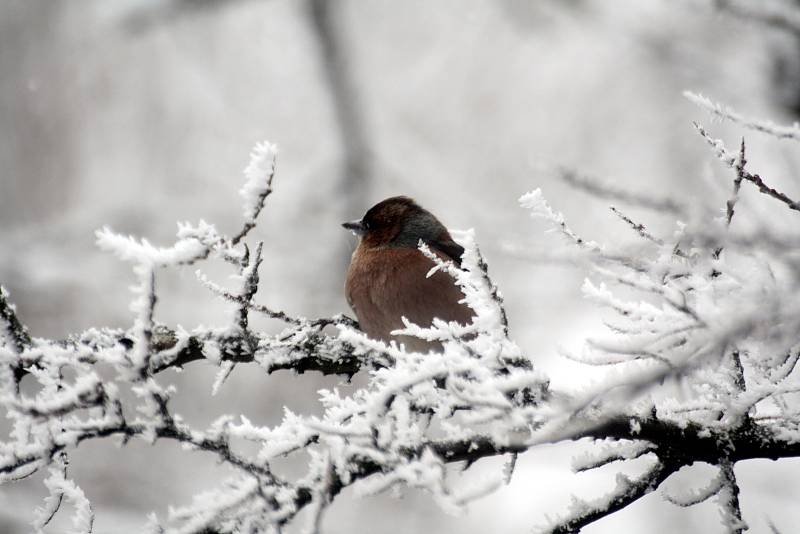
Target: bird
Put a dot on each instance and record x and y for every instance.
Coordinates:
(387, 277)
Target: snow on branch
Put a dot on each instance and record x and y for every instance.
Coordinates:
(479, 391)
(735, 162)
(721, 327)
(259, 173)
(62, 488)
(725, 112)
(582, 513)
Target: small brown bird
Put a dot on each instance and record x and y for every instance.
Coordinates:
(387, 280)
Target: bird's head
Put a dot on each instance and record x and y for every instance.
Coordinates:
(397, 222)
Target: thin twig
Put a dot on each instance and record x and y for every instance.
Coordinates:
(637, 227)
(767, 127)
(15, 330)
(737, 183)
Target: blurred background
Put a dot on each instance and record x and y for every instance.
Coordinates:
(139, 113)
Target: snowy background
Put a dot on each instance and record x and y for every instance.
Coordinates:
(141, 113)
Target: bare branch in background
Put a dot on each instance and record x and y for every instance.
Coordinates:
(599, 189)
(780, 15)
(143, 18)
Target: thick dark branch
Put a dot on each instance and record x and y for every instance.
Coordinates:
(301, 349)
(316, 352)
(676, 446)
(692, 442)
(673, 444)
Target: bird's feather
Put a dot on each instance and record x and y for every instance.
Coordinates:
(385, 285)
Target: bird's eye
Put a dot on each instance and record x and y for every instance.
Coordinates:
(367, 225)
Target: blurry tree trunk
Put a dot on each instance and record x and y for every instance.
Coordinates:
(327, 23)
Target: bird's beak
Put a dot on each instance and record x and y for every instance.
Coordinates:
(357, 227)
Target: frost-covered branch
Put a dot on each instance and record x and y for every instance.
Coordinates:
(737, 184)
(259, 172)
(732, 161)
(480, 391)
(722, 327)
(300, 349)
(637, 227)
(725, 112)
(729, 499)
(582, 513)
(15, 334)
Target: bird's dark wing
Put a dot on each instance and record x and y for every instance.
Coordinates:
(449, 247)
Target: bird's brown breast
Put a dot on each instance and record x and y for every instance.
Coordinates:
(387, 283)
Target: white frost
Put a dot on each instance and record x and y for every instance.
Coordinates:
(258, 174)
